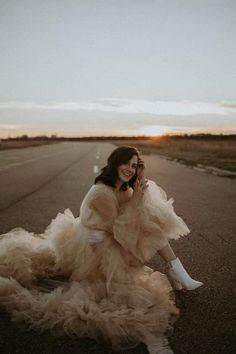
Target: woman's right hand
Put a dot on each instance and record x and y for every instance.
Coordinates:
(139, 187)
(141, 168)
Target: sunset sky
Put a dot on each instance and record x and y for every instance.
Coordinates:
(117, 67)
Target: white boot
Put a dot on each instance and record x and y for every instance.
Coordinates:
(159, 345)
(181, 278)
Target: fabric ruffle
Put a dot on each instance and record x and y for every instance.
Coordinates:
(146, 225)
(57, 281)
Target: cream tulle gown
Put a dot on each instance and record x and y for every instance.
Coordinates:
(105, 291)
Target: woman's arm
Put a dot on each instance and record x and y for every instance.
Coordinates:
(105, 204)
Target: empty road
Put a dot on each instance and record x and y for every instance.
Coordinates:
(36, 183)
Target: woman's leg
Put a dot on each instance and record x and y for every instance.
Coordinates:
(167, 253)
(177, 271)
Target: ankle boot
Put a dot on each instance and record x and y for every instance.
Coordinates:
(159, 345)
(181, 278)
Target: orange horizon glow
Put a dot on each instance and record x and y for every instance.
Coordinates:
(142, 133)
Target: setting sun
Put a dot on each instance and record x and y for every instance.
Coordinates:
(156, 130)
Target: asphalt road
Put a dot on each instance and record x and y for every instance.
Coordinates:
(36, 183)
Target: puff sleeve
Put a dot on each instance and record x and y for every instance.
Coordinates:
(145, 226)
(99, 209)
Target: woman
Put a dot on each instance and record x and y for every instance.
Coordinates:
(86, 276)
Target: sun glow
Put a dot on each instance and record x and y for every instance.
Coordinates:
(156, 130)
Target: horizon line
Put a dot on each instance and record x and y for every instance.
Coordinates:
(54, 136)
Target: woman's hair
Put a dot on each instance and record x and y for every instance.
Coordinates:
(118, 157)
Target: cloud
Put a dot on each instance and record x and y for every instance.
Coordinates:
(9, 126)
(114, 105)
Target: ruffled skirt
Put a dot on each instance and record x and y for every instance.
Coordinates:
(57, 281)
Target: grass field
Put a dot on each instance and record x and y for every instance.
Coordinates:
(219, 153)
(16, 144)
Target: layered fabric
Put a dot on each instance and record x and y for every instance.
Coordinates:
(86, 275)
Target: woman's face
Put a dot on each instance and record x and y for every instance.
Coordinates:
(127, 170)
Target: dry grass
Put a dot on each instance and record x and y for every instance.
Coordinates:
(16, 144)
(220, 153)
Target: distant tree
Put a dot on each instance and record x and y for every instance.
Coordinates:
(41, 137)
(24, 137)
(53, 136)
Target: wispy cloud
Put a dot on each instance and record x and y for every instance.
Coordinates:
(10, 126)
(159, 108)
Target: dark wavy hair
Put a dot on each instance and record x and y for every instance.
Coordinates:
(109, 173)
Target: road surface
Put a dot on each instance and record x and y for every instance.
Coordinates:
(36, 183)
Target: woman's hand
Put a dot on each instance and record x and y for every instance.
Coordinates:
(141, 168)
(140, 185)
(141, 182)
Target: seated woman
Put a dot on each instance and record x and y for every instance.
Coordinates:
(107, 293)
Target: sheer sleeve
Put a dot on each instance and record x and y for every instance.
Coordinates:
(106, 206)
(99, 209)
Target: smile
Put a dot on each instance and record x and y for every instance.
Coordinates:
(126, 174)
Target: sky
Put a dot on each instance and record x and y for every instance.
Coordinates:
(117, 67)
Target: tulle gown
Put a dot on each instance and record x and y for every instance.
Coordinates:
(85, 275)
